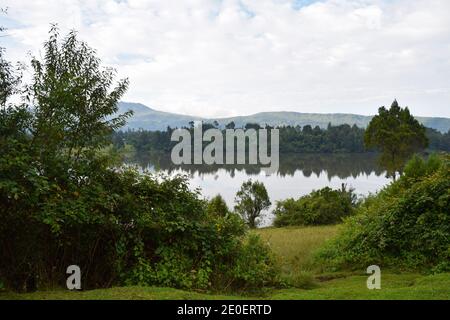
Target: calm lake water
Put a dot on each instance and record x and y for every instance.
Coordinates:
(298, 175)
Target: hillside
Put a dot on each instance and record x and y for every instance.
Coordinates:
(150, 119)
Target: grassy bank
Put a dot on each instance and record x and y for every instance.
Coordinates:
(393, 287)
(294, 248)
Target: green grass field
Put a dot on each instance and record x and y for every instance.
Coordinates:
(294, 248)
(396, 287)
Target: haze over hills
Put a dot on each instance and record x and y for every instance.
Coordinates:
(149, 119)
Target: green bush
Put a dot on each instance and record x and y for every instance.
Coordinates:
(64, 202)
(253, 267)
(124, 227)
(217, 206)
(321, 207)
(407, 225)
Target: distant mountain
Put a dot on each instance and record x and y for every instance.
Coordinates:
(440, 124)
(150, 119)
(296, 118)
(137, 108)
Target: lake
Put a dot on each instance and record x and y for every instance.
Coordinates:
(298, 175)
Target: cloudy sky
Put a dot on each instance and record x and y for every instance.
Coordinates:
(236, 57)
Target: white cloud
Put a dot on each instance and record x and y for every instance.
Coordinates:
(219, 58)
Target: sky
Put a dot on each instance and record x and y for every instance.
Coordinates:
(218, 58)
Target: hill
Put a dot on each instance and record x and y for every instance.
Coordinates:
(150, 119)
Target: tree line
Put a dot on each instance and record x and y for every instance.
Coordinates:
(293, 139)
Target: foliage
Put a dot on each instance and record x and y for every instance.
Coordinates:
(284, 242)
(63, 201)
(212, 255)
(73, 97)
(251, 200)
(438, 141)
(407, 225)
(321, 207)
(293, 139)
(255, 265)
(397, 135)
(333, 139)
(218, 206)
(54, 207)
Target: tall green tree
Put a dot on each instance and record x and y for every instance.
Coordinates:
(251, 200)
(217, 206)
(74, 98)
(49, 162)
(397, 135)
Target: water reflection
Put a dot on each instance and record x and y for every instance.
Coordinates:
(298, 175)
(341, 166)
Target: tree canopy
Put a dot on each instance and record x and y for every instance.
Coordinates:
(251, 200)
(397, 135)
(74, 99)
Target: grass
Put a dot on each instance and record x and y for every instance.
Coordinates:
(117, 293)
(393, 287)
(294, 248)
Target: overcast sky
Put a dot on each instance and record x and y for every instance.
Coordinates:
(237, 57)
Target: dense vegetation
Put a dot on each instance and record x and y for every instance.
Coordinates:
(407, 225)
(294, 247)
(321, 207)
(333, 139)
(397, 135)
(63, 202)
(251, 200)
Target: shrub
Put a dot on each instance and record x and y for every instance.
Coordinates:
(253, 265)
(127, 228)
(325, 206)
(407, 225)
(63, 202)
(217, 206)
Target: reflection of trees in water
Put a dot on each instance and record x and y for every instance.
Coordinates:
(335, 165)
